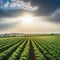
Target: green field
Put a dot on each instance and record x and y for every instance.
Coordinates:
(30, 48)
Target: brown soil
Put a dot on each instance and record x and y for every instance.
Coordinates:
(32, 55)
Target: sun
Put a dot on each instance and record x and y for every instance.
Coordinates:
(27, 19)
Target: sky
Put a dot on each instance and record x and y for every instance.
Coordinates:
(43, 16)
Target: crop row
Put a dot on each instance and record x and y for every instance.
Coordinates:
(31, 48)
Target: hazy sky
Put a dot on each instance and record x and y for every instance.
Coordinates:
(45, 16)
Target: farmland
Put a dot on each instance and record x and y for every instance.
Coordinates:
(30, 48)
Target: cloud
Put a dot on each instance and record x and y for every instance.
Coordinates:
(11, 13)
(44, 7)
(4, 25)
(6, 4)
(48, 8)
(56, 13)
(19, 4)
(55, 16)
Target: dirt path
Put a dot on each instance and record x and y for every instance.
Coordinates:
(32, 55)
